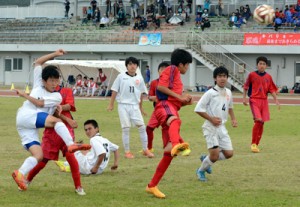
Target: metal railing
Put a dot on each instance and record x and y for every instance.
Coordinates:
(217, 55)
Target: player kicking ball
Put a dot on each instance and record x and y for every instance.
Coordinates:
(97, 159)
(214, 106)
(37, 112)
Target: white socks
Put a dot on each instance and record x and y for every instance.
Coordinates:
(125, 138)
(206, 164)
(143, 137)
(28, 165)
(222, 156)
(61, 129)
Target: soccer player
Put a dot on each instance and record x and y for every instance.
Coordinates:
(153, 123)
(170, 100)
(96, 160)
(52, 142)
(128, 89)
(258, 84)
(214, 106)
(37, 112)
(78, 84)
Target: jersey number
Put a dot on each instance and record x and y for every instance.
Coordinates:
(106, 149)
(131, 89)
(224, 107)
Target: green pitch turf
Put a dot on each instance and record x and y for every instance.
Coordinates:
(269, 178)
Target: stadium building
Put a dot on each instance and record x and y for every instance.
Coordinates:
(29, 29)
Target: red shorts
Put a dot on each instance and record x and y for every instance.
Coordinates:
(153, 122)
(260, 109)
(52, 143)
(162, 112)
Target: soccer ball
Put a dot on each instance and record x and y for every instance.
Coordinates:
(264, 14)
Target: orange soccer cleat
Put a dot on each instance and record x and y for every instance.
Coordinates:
(20, 180)
(155, 191)
(78, 146)
(179, 148)
(148, 153)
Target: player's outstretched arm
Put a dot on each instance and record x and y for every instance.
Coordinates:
(112, 101)
(45, 58)
(116, 160)
(37, 102)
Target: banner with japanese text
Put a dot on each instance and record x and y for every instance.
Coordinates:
(271, 39)
(150, 39)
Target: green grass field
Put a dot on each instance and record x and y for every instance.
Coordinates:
(270, 178)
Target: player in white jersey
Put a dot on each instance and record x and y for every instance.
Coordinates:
(214, 106)
(128, 89)
(96, 160)
(37, 112)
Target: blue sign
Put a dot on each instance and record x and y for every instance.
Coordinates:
(150, 39)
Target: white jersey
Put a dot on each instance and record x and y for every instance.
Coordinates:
(99, 145)
(51, 99)
(215, 102)
(129, 88)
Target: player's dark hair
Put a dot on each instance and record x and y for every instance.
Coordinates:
(220, 71)
(163, 64)
(92, 122)
(131, 60)
(91, 78)
(50, 71)
(181, 56)
(262, 58)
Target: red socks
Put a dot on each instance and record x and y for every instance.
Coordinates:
(149, 131)
(174, 129)
(257, 132)
(37, 169)
(161, 169)
(74, 169)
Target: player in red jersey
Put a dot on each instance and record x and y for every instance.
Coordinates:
(153, 122)
(52, 143)
(258, 84)
(170, 100)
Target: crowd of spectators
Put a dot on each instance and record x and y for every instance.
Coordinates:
(289, 17)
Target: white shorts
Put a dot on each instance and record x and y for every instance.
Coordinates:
(130, 113)
(84, 166)
(26, 127)
(217, 136)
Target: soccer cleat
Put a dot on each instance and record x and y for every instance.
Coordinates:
(201, 175)
(186, 152)
(129, 155)
(179, 148)
(62, 166)
(209, 169)
(155, 191)
(80, 191)
(20, 180)
(27, 184)
(148, 153)
(142, 151)
(254, 148)
(75, 147)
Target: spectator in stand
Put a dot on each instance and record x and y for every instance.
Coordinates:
(94, 7)
(169, 6)
(104, 21)
(242, 10)
(205, 23)
(78, 85)
(67, 8)
(292, 9)
(180, 10)
(220, 8)
(296, 23)
(205, 14)
(136, 24)
(187, 13)
(248, 10)
(198, 21)
(246, 15)
(207, 5)
(199, 10)
(239, 22)
(232, 20)
(133, 8)
(121, 16)
(277, 23)
(97, 16)
(277, 13)
(108, 7)
(297, 8)
(288, 18)
(92, 87)
(89, 13)
(116, 8)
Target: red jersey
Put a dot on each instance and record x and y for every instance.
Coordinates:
(102, 77)
(153, 86)
(79, 83)
(67, 98)
(171, 79)
(259, 85)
